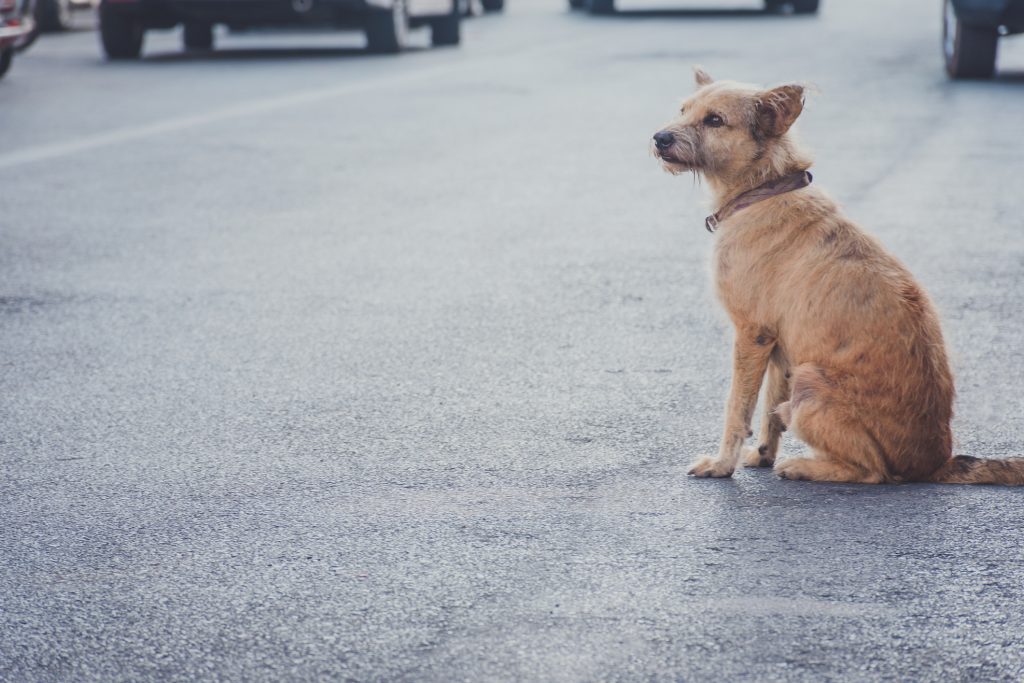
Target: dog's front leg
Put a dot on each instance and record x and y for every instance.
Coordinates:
(772, 426)
(751, 350)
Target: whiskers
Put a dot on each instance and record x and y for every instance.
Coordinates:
(676, 159)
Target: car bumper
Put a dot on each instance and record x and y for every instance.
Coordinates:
(10, 33)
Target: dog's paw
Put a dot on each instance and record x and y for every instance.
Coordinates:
(792, 468)
(710, 467)
(756, 457)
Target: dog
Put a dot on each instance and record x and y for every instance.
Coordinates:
(850, 343)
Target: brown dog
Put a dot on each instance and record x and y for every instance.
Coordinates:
(850, 342)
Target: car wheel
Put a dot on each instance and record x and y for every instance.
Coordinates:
(577, 4)
(447, 29)
(601, 6)
(493, 5)
(970, 51)
(386, 30)
(53, 15)
(198, 36)
(120, 34)
(6, 57)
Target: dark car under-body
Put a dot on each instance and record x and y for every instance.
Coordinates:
(241, 14)
(1008, 14)
(124, 22)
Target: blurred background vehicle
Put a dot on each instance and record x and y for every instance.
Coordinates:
(794, 6)
(17, 29)
(56, 15)
(970, 33)
(472, 8)
(123, 23)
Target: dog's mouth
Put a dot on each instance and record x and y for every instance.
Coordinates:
(674, 162)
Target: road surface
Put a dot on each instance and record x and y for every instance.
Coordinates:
(325, 366)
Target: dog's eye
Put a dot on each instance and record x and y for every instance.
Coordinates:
(713, 121)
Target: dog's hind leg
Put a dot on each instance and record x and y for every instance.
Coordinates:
(844, 450)
(772, 426)
(823, 467)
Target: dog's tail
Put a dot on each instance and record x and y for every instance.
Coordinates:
(965, 469)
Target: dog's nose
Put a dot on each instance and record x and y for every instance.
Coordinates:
(663, 139)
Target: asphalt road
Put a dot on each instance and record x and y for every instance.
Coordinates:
(323, 366)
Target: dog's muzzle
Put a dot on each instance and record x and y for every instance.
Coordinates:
(666, 148)
(663, 140)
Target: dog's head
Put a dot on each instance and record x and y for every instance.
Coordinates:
(725, 127)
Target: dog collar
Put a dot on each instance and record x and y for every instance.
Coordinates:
(780, 185)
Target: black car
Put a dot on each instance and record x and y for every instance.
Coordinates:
(971, 30)
(123, 23)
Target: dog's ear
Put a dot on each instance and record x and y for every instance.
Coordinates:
(778, 108)
(701, 77)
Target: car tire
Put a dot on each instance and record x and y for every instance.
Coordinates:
(120, 34)
(577, 4)
(386, 29)
(6, 57)
(493, 5)
(969, 51)
(601, 6)
(447, 30)
(198, 36)
(53, 15)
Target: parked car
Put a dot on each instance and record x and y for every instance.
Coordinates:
(123, 23)
(796, 6)
(55, 15)
(17, 27)
(971, 31)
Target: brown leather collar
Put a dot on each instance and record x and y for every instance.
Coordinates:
(780, 185)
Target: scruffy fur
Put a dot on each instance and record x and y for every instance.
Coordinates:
(850, 343)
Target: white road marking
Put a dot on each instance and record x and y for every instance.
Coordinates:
(55, 150)
(250, 108)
